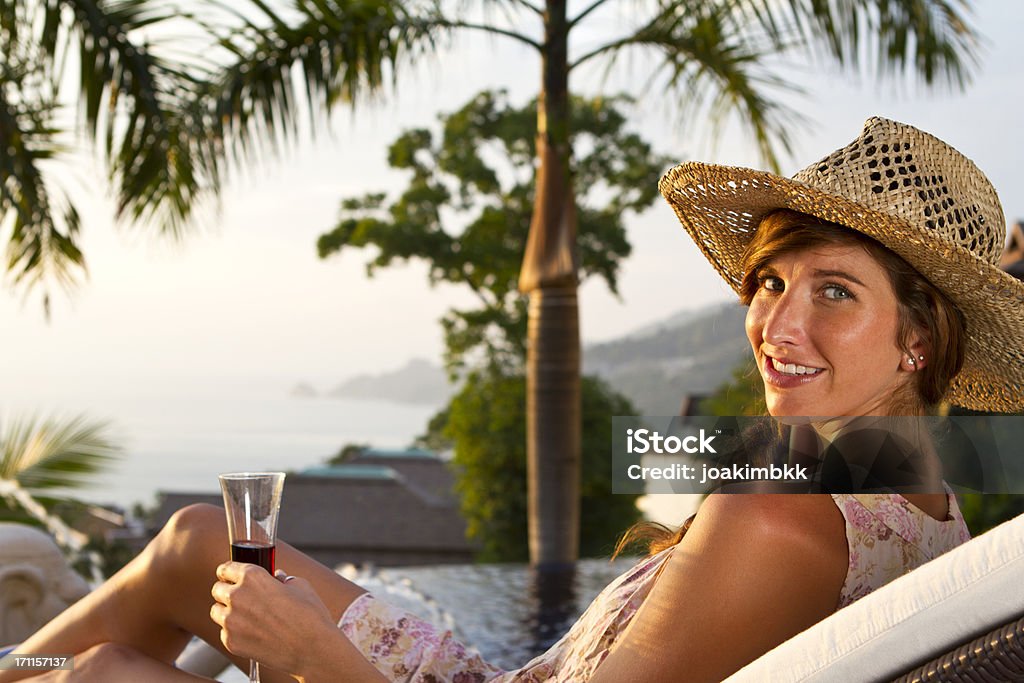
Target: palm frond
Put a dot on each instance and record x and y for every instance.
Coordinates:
(130, 102)
(713, 53)
(40, 455)
(930, 38)
(129, 105)
(714, 65)
(45, 454)
(44, 225)
(344, 50)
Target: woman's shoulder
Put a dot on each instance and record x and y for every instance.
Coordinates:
(752, 571)
(791, 518)
(799, 536)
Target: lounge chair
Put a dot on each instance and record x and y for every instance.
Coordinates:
(966, 605)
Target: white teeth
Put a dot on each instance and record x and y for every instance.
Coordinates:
(793, 369)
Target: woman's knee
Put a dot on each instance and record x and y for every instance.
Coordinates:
(198, 518)
(191, 533)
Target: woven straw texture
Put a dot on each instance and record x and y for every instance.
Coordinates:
(912, 193)
(996, 657)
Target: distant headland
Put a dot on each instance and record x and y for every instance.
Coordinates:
(690, 352)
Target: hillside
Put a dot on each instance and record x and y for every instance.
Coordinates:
(418, 381)
(690, 353)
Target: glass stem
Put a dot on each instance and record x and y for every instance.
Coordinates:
(254, 671)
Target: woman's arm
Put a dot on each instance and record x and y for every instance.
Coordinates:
(753, 571)
(284, 625)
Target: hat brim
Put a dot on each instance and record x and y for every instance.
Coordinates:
(721, 207)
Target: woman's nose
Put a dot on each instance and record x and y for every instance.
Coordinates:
(786, 320)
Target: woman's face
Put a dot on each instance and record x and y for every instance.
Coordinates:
(823, 327)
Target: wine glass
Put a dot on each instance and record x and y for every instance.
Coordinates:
(252, 501)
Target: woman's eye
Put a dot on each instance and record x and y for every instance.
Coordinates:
(771, 283)
(837, 292)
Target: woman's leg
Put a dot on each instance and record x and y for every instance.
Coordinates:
(162, 597)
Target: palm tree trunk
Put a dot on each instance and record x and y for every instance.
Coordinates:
(553, 350)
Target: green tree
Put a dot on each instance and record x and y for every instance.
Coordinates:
(709, 56)
(477, 176)
(743, 394)
(982, 511)
(486, 421)
(347, 453)
(466, 213)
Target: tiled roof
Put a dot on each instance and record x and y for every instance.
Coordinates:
(364, 508)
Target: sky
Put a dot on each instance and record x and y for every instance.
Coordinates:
(246, 299)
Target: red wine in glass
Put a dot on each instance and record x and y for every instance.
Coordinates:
(252, 503)
(254, 553)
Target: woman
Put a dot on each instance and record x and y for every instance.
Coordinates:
(888, 315)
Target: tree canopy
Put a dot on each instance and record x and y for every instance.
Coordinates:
(466, 211)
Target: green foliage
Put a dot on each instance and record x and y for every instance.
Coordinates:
(486, 421)
(467, 208)
(348, 452)
(435, 438)
(982, 511)
(741, 395)
(604, 515)
(10, 511)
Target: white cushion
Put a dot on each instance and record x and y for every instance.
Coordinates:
(968, 591)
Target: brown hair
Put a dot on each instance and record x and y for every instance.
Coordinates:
(923, 308)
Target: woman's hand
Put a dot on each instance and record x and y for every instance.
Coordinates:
(279, 621)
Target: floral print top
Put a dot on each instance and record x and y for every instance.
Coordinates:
(886, 535)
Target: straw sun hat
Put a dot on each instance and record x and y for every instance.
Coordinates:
(909, 191)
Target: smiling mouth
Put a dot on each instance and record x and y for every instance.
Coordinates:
(793, 369)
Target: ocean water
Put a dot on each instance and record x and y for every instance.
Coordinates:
(178, 437)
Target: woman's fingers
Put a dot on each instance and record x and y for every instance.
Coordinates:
(218, 613)
(234, 572)
(221, 592)
(249, 606)
(232, 577)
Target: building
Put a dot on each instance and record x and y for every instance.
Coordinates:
(1013, 256)
(388, 508)
(1014, 251)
